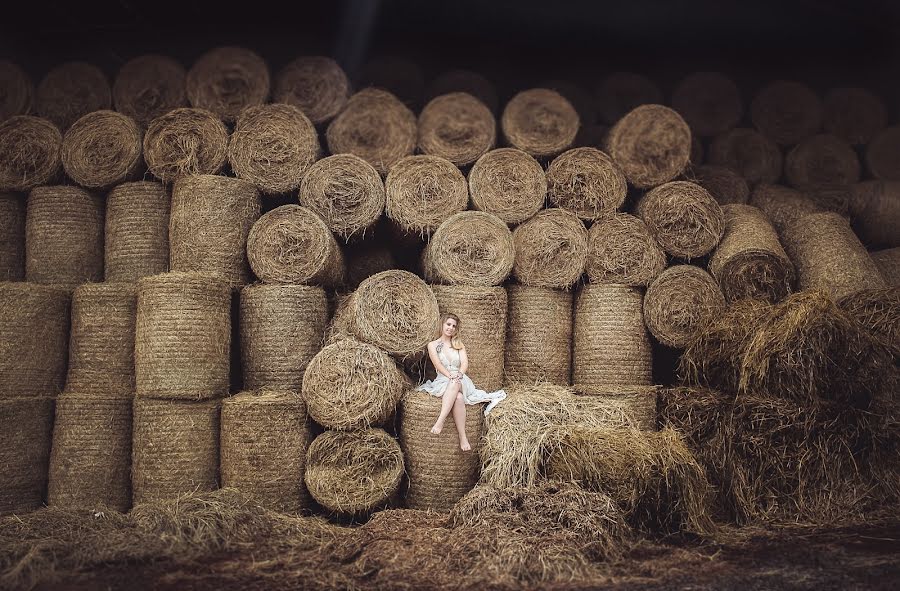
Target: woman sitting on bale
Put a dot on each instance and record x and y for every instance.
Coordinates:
(456, 389)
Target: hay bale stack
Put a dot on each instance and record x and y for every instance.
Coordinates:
(683, 217)
(749, 153)
(458, 127)
(12, 237)
(725, 185)
(71, 90)
(587, 182)
(281, 329)
(422, 192)
(440, 474)
(316, 85)
(550, 249)
(466, 81)
(149, 86)
(611, 345)
(652, 145)
(878, 216)
(137, 231)
(680, 303)
(538, 335)
(175, 448)
(211, 218)
(18, 91)
(621, 92)
(353, 473)
(367, 260)
(855, 115)
(226, 80)
(787, 112)
(783, 206)
(821, 160)
(265, 436)
(63, 236)
(182, 336)
(185, 141)
(508, 183)
(470, 248)
(888, 262)
(29, 153)
(620, 249)
(539, 121)
(710, 103)
(879, 311)
(638, 401)
(25, 431)
(102, 149)
(90, 462)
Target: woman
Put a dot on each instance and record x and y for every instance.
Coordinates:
(448, 354)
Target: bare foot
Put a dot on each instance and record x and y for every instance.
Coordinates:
(437, 429)
(464, 445)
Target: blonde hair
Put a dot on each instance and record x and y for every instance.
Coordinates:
(455, 341)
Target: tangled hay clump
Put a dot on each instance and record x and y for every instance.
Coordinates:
(422, 192)
(821, 160)
(226, 80)
(680, 302)
(539, 335)
(638, 401)
(12, 237)
(470, 248)
(316, 85)
(683, 217)
(587, 182)
(102, 149)
(881, 154)
(185, 141)
(748, 152)
(724, 184)
(149, 86)
(710, 103)
(26, 425)
(620, 249)
(621, 92)
(70, 91)
(855, 115)
(137, 231)
(458, 127)
(651, 144)
(18, 91)
(550, 249)
(540, 122)
(508, 183)
(879, 311)
(29, 153)
(787, 112)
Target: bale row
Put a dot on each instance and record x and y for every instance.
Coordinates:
(29, 153)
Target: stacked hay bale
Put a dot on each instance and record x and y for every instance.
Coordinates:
(540, 122)
(225, 80)
(185, 141)
(751, 154)
(788, 112)
(622, 92)
(821, 160)
(149, 86)
(710, 103)
(137, 231)
(508, 183)
(651, 144)
(316, 85)
(855, 115)
(724, 184)
(680, 303)
(587, 182)
(422, 192)
(638, 401)
(12, 237)
(29, 153)
(71, 90)
(102, 149)
(458, 127)
(875, 209)
(19, 91)
(683, 217)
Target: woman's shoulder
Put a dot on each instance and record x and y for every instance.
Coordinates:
(433, 344)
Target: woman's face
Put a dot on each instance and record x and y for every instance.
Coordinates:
(449, 327)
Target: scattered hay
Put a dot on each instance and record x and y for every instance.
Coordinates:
(539, 121)
(725, 185)
(508, 183)
(184, 142)
(25, 430)
(710, 103)
(12, 237)
(458, 127)
(226, 80)
(622, 92)
(18, 91)
(878, 215)
(366, 260)
(149, 86)
(470, 248)
(787, 112)
(680, 303)
(29, 153)
(888, 263)
(879, 311)
(587, 182)
(538, 335)
(749, 153)
(71, 90)
(620, 249)
(855, 115)
(422, 192)
(652, 145)
(466, 81)
(638, 401)
(821, 160)
(683, 217)
(316, 85)
(137, 231)
(102, 149)
(550, 249)
(783, 206)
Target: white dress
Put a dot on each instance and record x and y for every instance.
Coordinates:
(472, 395)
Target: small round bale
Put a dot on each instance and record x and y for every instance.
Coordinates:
(783, 206)
(353, 473)
(26, 427)
(316, 85)
(855, 115)
(878, 216)
(683, 217)
(424, 191)
(587, 182)
(651, 144)
(29, 153)
(787, 112)
(538, 335)
(102, 149)
(882, 158)
(620, 249)
(680, 303)
(470, 248)
(508, 183)
(185, 141)
(724, 184)
(888, 262)
(821, 160)
(749, 153)
(637, 402)
(149, 86)
(12, 237)
(17, 93)
(540, 121)
(137, 231)
(71, 90)
(458, 127)
(709, 102)
(550, 249)
(622, 92)
(226, 80)
(464, 81)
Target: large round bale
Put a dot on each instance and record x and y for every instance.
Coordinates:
(137, 231)
(539, 121)
(620, 249)
(875, 209)
(182, 336)
(611, 344)
(210, 221)
(749, 153)
(440, 474)
(855, 115)
(149, 86)
(882, 158)
(538, 335)
(63, 236)
(102, 149)
(375, 126)
(185, 141)
(680, 303)
(291, 244)
(264, 439)
(70, 91)
(723, 183)
(750, 262)
(637, 402)
(587, 182)
(470, 248)
(18, 90)
(710, 103)
(683, 217)
(175, 449)
(508, 183)
(466, 81)
(888, 263)
(316, 85)
(787, 112)
(29, 153)
(652, 145)
(550, 249)
(622, 92)
(783, 206)
(821, 160)
(226, 80)
(458, 127)
(12, 237)
(353, 473)
(424, 191)
(26, 427)
(90, 461)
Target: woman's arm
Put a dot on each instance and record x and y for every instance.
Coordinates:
(436, 361)
(463, 361)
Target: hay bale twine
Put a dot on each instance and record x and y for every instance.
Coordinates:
(265, 436)
(637, 402)
(440, 474)
(375, 126)
(182, 336)
(783, 206)
(137, 231)
(464, 81)
(710, 103)
(749, 153)
(611, 345)
(281, 329)
(683, 217)
(26, 427)
(622, 92)
(175, 449)
(149, 86)
(102, 149)
(508, 183)
(855, 115)
(183, 142)
(587, 182)
(881, 154)
(821, 160)
(878, 215)
(422, 192)
(71, 90)
(538, 335)
(680, 303)
(367, 260)
(652, 145)
(470, 248)
(888, 263)
(353, 473)
(226, 80)
(786, 112)
(724, 184)
(63, 236)
(29, 153)
(17, 91)
(210, 221)
(458, 127)
(550, 249)
(90, 461)
(316, 85)
(620, 249)
(539, 121)
(749, 262)
(12, 237)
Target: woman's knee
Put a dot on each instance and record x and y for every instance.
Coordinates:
(459, 396)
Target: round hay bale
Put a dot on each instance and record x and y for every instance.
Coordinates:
(464, 81)
(63, 236)
(783, 206)
(226, 80)
(587, 182)
(102, 149)
(183, 142)
(17, 93)
(399, 75)
(855, 115)
(749, 262)
(29, 153)
(550, 249)
(71, 90)
(877, 310)
(281, 330)
(539, 121)
(291, 244)
(137, 231)
(882, 158)
(367, 260)
(26, 427)
(683, 217)
(265, 436)
(149, 86)
(821, 160)
(710, 103)
(786, 112)
(12, 237)
(538, 335)
(888, 262)
(620, 249)
(458, 127)
(470, 248)
(101, 347)
(375, 126)
(175, 449)
(272, 147)
(182, 336)
(652, 145)
(622, 92)
(353, 473)
(210, 221)
(34, 339)
(508, 183)
(875, 210)
(611, 345)
(424, 191)
(749, 153)
(680, 303)
(316, 85)
(724, 184)
(440, 474)
(90, 461)
(482, 316)
(338, 328)
(638, 402)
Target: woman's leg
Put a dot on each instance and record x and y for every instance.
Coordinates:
(459, 417)
(449, 397)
